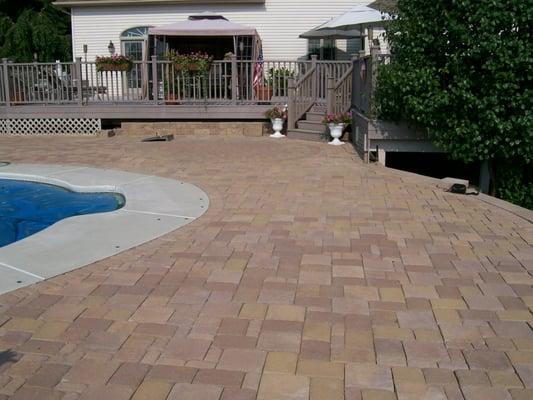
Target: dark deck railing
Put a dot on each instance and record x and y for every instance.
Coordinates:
(157, 82)
(365, 71)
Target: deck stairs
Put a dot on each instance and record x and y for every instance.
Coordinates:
(310, 127)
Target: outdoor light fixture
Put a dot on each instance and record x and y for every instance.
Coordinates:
(111, 48)
(85, 52)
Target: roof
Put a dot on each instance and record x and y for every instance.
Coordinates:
(81, 3)
(204, 24)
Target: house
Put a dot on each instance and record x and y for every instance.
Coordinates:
(124, 23)
(312, 75)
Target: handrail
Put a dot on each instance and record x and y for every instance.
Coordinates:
(305, 76)
(340, 93)
(302, 95)
(345, 76)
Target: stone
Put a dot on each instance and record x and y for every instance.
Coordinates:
(283, 387)
(242, 360)
(186, 391)
(368, 376)
(281, 362)
(152, 390)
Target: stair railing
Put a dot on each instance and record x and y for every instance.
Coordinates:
(339, 93)
(302, 94)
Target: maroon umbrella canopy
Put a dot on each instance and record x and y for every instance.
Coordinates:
(205, 24)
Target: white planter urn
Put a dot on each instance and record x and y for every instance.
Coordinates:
(335, 131)
(277, 126)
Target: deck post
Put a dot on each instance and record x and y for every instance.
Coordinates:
(155, 84)
(234, 79)
(358, 77)
(330, 95)
(355, 77)
(5, 78)
(315, 76)
(79, 87)
(291, 104)
(374, 51)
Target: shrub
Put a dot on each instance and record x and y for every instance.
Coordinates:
(462, 71)
(281, 78)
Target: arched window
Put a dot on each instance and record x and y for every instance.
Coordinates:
(138, 32)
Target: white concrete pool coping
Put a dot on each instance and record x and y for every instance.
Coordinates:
(154, 206)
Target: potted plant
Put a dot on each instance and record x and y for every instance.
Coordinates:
(336, 124)
(116, 62)
(200, 62)
(169, 89)
(263, 92)
(277, 116)
(278, 78)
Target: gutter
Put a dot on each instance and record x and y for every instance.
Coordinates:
(92, 3)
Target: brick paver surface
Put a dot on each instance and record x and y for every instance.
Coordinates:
(311, 276)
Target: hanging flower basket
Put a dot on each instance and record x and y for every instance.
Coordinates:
(113, 67)
(194, 62)
(113, 63)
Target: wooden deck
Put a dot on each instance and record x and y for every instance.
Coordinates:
(139, 111)
(154, 90)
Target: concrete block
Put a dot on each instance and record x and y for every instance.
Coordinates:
(446, 183)
(199, 128)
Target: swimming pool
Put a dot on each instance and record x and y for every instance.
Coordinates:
(29, 207)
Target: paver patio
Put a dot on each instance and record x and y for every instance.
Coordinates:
(311, 276)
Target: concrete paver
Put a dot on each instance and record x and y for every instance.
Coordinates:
(311, 276)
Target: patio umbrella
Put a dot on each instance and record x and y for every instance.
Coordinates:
(357, 17)
(316, 33)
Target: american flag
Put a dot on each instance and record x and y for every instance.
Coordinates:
(258, 68)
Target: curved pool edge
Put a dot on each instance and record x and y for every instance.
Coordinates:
(154, 207)
(60, 183)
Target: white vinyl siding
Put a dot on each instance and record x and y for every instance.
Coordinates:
(279, 22)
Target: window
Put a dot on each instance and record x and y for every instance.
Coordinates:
(324, 49)
(134, 44)
(244, 47)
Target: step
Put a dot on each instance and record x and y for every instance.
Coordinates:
(319, 108)
(304, 134)
(311, 126)
(314, 116)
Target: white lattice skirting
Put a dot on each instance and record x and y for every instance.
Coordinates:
(50, 126)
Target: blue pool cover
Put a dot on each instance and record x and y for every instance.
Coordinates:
(29, 207)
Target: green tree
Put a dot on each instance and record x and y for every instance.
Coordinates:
(462, 71)
(29, 28)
